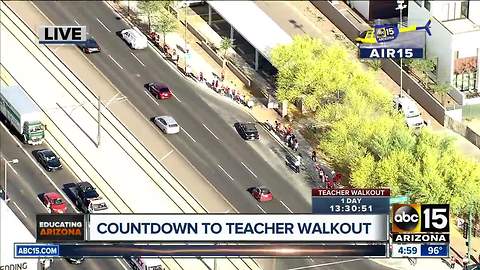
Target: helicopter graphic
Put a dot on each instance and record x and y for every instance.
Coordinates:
(388, 32)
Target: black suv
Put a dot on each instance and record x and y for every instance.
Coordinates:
(87, 191)
(89, 46)
(247, 131)
(48, 160)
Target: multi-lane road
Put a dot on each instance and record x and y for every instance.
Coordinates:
(208, 139)
(26, 181)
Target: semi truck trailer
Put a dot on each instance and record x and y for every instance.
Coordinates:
(21, 113)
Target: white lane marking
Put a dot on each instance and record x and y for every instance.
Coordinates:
(76, 22)
(246, 167)
(103, 25)
(115, 61)
(229, 176)
(16, 205)
(166, 155)
(11, 167)
(188, 135)
(286, 206)
(177, 98)
(60, 191)
(150, 96)
(121, 263)
(259, 207)
(210, 131)
(323, 264)
(137, 59)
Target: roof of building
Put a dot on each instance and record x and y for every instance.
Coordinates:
(253, 24)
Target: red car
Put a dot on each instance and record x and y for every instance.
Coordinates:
(261, 194)
(160, 90)
(55, 203)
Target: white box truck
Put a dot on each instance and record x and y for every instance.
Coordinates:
(21, 113)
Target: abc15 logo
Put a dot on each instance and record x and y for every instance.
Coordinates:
(414, 218)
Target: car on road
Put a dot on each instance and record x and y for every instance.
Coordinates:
(167, 124)
(134, 38)
(75, 260)
(48, 159)
(410, 111)
(261, 194)
(54, 203)
(4, 195)
(89, 46)
(160, 90)
(247, 130)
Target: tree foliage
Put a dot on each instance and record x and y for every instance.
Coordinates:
(424, 66)
(366, 138)
(165, 23)
(150, 9)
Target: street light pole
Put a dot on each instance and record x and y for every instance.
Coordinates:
(5, 164)
(400, 7)
(185, 36)
(469, 237)
(99, 118)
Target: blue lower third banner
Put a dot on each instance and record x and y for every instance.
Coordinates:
(394, 53)
(432, 250)
(197, 250)
(36, 250)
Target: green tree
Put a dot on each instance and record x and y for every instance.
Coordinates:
(375, 64)
(442, 90)
(150, 9)
(366, 138)
(424, 66)
(165, 24)
(225, 45)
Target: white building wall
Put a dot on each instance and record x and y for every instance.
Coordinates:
(363, 7)
(439, 44)
(474, 12)
(443, 44)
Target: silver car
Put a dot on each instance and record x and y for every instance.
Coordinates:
(167, 124)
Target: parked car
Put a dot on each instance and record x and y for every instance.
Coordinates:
(160, 90)
(4, 195)
(75, 260)
(247, 130)
(89, 46)
(410, 111)
(261, 194)
(48, 160)
(167, 124)
(54, 203)
(135, 38)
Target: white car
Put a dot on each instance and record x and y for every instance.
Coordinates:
(167, 124)
(136, 39)
(410, 111)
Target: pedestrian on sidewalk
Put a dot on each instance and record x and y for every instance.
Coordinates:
(452, 262)
(298, 162)
(201, 76)
(222, 76)
(314, 156)
(288, 139)
(216, 84)
(295, 145)
(321, 175)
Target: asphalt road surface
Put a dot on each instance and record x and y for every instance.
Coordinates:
(26, 181)
(209, 142)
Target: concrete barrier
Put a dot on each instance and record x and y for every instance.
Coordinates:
(240, 75)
